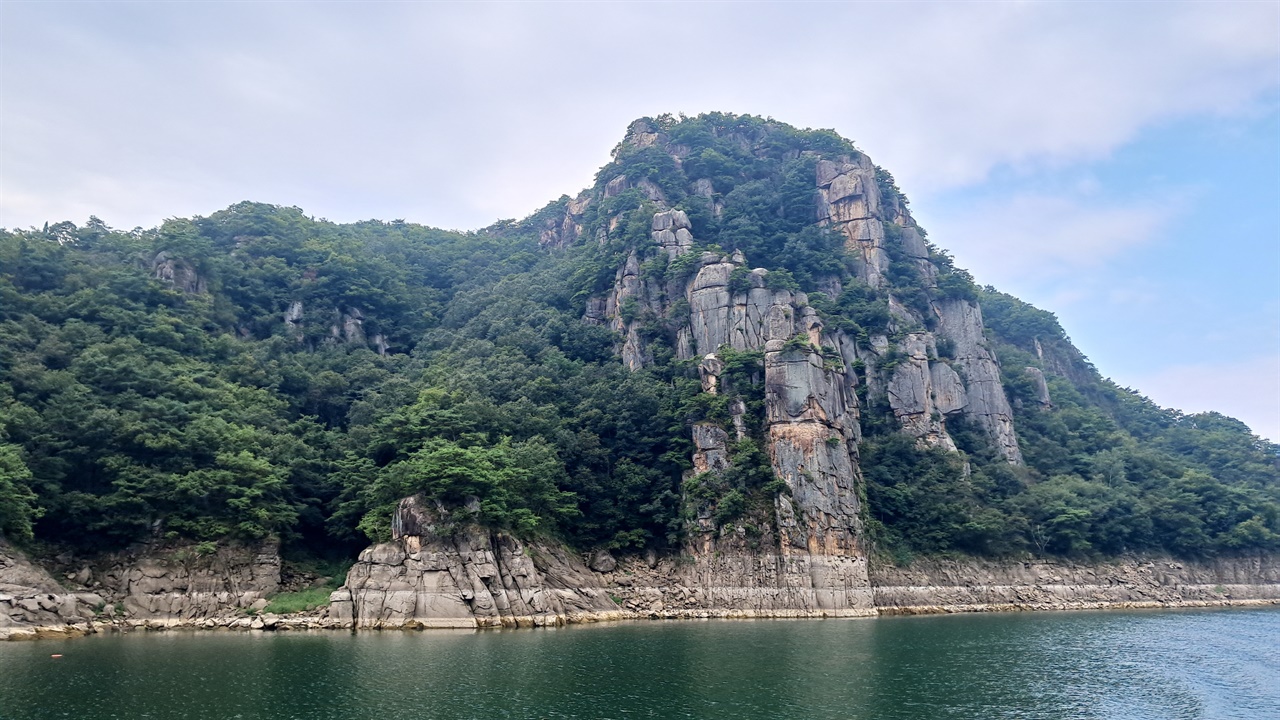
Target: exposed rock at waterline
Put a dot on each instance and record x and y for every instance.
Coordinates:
(439, 571)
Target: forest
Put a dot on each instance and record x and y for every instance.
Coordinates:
(262, 373)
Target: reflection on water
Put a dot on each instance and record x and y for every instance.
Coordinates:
(1193, 664)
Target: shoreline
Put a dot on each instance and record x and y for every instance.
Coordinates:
(404, 586)
(312, 623)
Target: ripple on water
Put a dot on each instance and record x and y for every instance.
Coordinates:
(1106, 665)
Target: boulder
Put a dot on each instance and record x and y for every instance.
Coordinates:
(602, 562)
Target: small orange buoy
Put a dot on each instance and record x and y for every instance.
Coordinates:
(55, 656)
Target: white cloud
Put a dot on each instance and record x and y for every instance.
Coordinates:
(1028, 239)
(1051, 83)
(1247, 389)
(459, 114)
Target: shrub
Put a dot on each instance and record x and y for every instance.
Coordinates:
(300, 601)
(740, 281)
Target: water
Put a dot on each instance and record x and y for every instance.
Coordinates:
(1121, 665)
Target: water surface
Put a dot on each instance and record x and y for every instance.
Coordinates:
(1122, 665)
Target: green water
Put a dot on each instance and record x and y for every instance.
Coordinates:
(1139, 665)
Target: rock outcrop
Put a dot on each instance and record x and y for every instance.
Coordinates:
(293, 319)
(172, 586)
(743, 321)
(179, 273)
(973, 585)
(33, 604)
(563, 230)
(621, 311)
(442, 572)
(346, 326)
(921, 392)
(960, 321)
(149, 586)
(1041, 385)
(849, 202)
(671, 232)
(811, 431)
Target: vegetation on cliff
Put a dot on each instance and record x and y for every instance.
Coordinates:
(259, 372)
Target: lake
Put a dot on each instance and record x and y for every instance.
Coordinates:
(1131, 665)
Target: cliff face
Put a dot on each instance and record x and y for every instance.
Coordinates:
(812, 559)
(798, 546)
(147, 586)
(981, 585)
(812, 413)
(922, 386)
(438, 572)
(807, 554)
(32, 602)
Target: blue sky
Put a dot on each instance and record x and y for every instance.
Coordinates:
(1167, 269)
(1117, 164)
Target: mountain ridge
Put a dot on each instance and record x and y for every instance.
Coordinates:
(479, 346)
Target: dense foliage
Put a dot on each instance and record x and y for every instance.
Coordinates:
(134, 409)
(311, 374)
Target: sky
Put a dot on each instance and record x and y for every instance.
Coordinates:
(1117, 164)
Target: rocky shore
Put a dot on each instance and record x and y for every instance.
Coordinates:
(151, 586)
(482, 580)
(440, 572)
(940, 586)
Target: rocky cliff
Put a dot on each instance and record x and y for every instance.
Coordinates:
(440, 570)
(805, 555)
(922, 385)
(814, 539)
(972, 585)
(470, 578)
(798, 546)
(33, 604)
(152, 586)
(805, 550)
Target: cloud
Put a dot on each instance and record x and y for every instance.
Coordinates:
(459, 114)
(1027, 84)
(1029, 239)
(1247, 389)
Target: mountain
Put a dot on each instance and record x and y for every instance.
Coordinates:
(736, 350)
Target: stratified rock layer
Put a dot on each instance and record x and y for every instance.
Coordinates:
(960, 321)
(173, 586)
(984, 585)
(153, 586)
(33, 604)
(435, 573)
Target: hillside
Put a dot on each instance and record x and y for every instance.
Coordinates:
(737, 340)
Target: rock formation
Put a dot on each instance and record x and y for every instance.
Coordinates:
(179, 273)
(1042, 386)
(929, 586)
(172, 585)
(33, 604)
(671, 232)
(293, 319)
(563, 230)
(438, 572)
(960, 321)
(811, 559)
(849, 201)
(151, 586)
(922, 392)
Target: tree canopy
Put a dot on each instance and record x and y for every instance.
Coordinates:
(309, 374)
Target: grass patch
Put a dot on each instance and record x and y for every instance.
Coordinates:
(301, 601)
